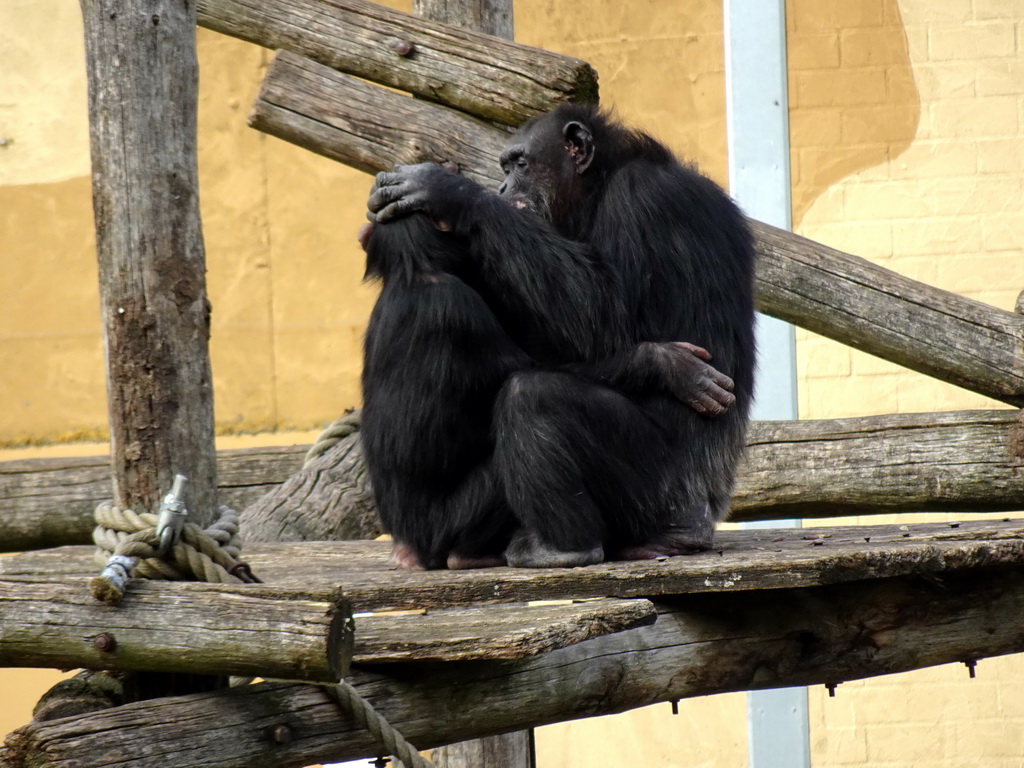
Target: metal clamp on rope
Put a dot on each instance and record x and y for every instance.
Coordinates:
(171, 518)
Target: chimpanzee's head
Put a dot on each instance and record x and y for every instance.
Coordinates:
(546, 163)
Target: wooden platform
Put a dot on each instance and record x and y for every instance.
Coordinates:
(768, 608)
(47, 617)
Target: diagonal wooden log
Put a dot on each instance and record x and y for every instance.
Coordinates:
(838, 295)
(967, 461)
(701, 644)
(484, 75)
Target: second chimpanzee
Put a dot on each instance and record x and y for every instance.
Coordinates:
(599, 252)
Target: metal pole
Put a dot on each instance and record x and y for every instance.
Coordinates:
(757, 117)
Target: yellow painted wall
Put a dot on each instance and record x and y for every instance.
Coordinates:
(907, 120)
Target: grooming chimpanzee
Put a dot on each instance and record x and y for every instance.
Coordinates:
(599, 252)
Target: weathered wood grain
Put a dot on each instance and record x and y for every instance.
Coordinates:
(274, 631)
(742, 560)
(480, 74)
(368, 127)
(849, 299)
(174, 627)
(701, 644)
(963, 461)
(152, 262)
(49, 502)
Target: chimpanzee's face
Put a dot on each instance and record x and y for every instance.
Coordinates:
(540, 175)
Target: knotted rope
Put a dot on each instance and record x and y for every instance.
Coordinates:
(128, 546)
(334, 434)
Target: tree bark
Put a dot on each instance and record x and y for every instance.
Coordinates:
(277, 632)
(195, 628)
(143, 79)
(480, 74)
(700, 645)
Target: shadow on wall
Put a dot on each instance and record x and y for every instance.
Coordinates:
(853, 100)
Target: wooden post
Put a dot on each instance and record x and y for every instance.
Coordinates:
(143, 80)
(509, 750)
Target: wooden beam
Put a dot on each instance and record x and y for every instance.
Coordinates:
(961, 461)
(480, 74)
(762, 559)
(143, 81)
(273, 631)
(49, 502)
(964, 461)
(370, 128)
(700, 645)
(175, 627)
(849, 299)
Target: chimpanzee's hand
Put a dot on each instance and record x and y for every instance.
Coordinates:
(425, 188)
(689, 377)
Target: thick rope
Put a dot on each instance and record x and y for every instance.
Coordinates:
(385, 734)
(334, 434)
(127, 547)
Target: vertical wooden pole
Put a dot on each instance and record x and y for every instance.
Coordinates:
(510, 750)
(143, 83)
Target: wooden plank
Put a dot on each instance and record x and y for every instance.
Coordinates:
(742, 560)
(174, 627)
(700, 645)
(494, 632)
(480, 74)
(275, 632)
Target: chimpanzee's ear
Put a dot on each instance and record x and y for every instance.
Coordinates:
(579, 143)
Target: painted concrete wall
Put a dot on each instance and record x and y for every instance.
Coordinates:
(908, 149)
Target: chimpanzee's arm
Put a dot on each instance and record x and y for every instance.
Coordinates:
(549, 291)
(676, 367)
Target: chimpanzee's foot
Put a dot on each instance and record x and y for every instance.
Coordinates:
(527, 551)
(675, 541)
(465, 562)
(403, 556)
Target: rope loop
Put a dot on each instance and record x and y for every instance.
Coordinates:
(341, 428)
(127, 547)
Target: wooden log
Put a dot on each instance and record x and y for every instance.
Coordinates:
(964, 461)
(49, 502)
(175, 627)
(156, 315)
(485, 76)
(700, 645)
(274, 631)
(761, 559)
(329, 498)
(367, 127)
(926, 329)
(838, 295)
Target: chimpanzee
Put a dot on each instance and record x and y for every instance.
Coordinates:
(608, 438)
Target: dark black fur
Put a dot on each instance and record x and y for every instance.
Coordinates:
(435, 361)
(592, 452)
